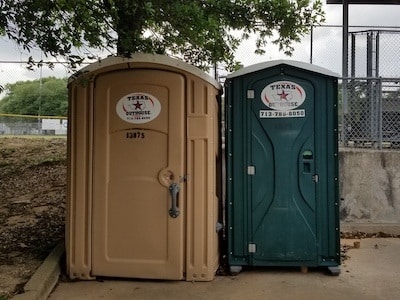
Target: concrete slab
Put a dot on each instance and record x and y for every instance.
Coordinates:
(386, 228)
(45, 278)
(371, 273)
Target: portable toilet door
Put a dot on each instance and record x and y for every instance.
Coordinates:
(282, 166)
(143, 145)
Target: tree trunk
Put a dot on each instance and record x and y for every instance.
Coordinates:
(130, 23)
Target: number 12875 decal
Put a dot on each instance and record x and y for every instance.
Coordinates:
(135, 135)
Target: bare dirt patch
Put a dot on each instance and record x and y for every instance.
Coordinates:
(32, 206)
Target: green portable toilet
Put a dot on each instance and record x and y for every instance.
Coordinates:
(282, 166)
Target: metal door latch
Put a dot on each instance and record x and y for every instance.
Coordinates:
(174, 191)
(315, 178)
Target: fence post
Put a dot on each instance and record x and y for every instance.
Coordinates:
(380, 113)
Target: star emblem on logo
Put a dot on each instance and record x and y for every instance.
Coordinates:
(137, 105)
(283, 95)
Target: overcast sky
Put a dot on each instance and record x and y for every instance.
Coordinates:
(326, 50)
(327, 42)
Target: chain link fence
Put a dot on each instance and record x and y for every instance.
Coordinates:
(19, 71)
(369, 110)
(371, 116)
(371, 102)
(16, 71)
(374, 53)
(32, 125)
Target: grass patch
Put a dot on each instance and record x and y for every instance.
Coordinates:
(46, 137)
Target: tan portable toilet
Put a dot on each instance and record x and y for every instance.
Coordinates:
(142, 147)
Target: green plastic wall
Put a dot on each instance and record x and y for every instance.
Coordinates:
(282, 167)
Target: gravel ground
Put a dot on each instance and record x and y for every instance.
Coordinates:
(32, 206)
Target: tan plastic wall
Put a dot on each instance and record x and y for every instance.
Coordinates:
(79, 195)
(202, 202)
(201, 255)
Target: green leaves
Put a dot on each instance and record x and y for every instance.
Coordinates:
(200, 31)
(289, 19)
(48, 97)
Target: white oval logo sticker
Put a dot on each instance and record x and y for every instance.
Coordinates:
(138, 108)
(283, 95)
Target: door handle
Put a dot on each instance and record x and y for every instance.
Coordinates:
(174, 191)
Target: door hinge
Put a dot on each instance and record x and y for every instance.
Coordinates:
(251, 170)
(315, 178)
(250, 94)
(252, 248)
